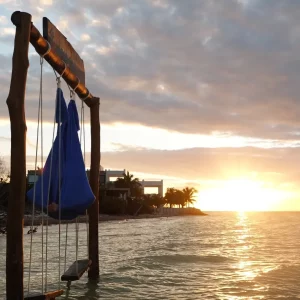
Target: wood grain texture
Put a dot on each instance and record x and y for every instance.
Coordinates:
(15, 103)
(93, 211)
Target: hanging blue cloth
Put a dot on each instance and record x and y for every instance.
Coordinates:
(65, 158)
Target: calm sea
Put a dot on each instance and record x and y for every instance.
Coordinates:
(221, 256)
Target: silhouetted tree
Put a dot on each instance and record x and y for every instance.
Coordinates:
(158, 200)
(180, 197)
(170, 196)
(188, 195)
(129, 181)
(154, 200)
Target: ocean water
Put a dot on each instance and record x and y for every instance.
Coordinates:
(220, 256)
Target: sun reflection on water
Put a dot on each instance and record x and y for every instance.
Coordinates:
(245, 268)
(248, 270)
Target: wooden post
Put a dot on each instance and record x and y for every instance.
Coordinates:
(94, 182)
(15, 216)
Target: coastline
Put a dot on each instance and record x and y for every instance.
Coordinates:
(38, 218)
(102, 218)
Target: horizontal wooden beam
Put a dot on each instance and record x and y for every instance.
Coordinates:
(42, 47)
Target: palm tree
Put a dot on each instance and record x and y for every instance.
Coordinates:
(179, 198)
(129, 181)
(170, 196)
(153, 200)
(188, 195)
(129, 178)
(157, 200)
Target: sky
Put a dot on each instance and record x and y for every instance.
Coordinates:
(197, 93)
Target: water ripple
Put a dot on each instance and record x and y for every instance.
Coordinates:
(222, 256)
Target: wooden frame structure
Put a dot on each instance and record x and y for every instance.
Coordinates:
(27, 33)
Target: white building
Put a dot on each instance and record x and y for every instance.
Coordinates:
(144, 183)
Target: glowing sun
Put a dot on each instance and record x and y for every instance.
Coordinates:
(238, 195)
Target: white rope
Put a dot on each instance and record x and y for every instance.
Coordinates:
(66, 241)
(76, 224)
(77, 229)
(40, 124)
(48, 50)
(34, 187)
(42, 164)
(82, 132)
(88, 95)
(76, 86)
(59, 185)
(58, 80)
(82, 137)
(48, 198)
(61, 75)
(84, 160)
(66, 245)
(72, 96)
(67, 225)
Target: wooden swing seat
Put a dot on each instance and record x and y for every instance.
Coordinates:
(76, 270)
(46, 296)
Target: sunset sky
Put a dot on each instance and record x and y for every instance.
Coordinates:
(197, 93)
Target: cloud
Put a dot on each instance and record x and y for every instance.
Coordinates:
(85, 37)
(277, 167)
(209, 169)
(224, 66)
(204, 168)
(4, 138)
(3, 20)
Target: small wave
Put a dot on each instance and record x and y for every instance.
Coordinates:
(292, 272)
(180, 258)
(125, 268)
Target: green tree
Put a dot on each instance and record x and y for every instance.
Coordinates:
(188, 195)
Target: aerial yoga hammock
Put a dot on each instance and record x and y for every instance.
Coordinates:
(63, 190)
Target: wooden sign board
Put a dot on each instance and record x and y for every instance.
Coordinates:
(63, 49)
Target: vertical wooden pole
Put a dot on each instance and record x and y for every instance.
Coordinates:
(94, 182)
(15, 103)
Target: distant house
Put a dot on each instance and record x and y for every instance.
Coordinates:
(108, 174)
(33, 175)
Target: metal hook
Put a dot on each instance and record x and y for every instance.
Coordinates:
(58, 81)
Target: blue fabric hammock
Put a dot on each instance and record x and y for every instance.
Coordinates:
(65, 158)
